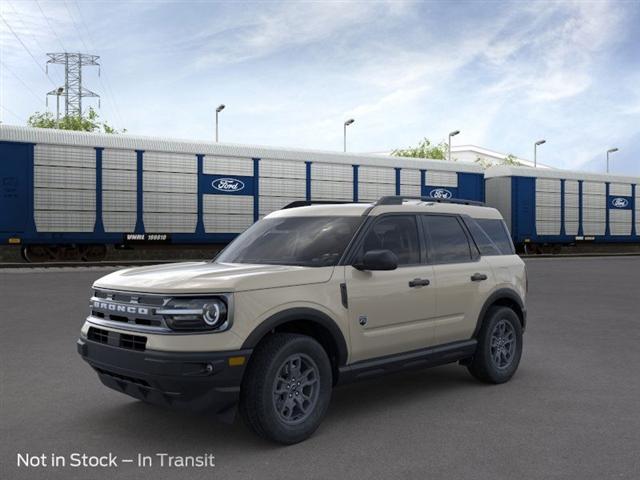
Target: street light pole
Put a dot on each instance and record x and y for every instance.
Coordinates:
(535, 152)
(58, 93)
(346, 124)
(611, 150)
(218, 110)
(452, 134)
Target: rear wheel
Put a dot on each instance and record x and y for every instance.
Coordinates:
(287, 388)
(499, 347)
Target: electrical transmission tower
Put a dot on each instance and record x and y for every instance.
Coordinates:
(73, 91)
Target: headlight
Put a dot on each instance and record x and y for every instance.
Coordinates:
(196, 314)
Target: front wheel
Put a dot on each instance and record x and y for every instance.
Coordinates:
(287, 388)
(499, 347)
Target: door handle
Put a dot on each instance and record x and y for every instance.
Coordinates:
(419, 282)
(478, 277)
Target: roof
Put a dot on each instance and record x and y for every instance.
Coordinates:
(507, 171)
(14, 133)
(492, 153)
(357, 209)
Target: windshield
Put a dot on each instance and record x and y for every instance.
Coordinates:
(303, 241)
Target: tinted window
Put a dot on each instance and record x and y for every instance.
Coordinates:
(485, 244)
(446, 239)
(396, 233)
(303, 241)
(497, 231)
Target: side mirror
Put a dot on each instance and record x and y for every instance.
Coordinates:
(378, 260)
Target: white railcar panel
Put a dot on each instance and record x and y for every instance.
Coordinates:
(283, 187)
(547, 185)
(227, 204)
(64, 156)
(594, 188)
(227, 166)
(412, 190)
(218, 223)
(121, 180)
(326, 190)
(620, 189)
(64, 221)
(271, 204)
(571, 228)
(65, 177)
(170, 182)
(548, 199)
(547, 213)
(64, 199)
(119, 221)
(594, 214)
(571, 200)
(170, 202)
(170, 222)
(376, 175)
(169, 162)
(620, 222)
(571, 186)
(436, 178)
(409, 176)
(594, 201)
(115, 201)
(331, 171)
(548, 227)
(369, 192)
(282, 169)
(119, 159)
(593, 228)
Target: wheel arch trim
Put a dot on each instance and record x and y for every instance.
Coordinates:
(502, 294)
(304, 314)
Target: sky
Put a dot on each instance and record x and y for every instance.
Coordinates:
(290, 73)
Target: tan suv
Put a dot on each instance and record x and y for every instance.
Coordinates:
(308, 298)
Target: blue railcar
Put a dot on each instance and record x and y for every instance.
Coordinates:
(78, 191)
(548, 207)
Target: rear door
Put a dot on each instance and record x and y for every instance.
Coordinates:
(462, 277)
(14, 195)
(391, 311)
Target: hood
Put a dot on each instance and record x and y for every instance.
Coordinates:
(205, 277)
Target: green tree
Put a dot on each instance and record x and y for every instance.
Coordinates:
(510, 160)
(86, 123)
(424, 150)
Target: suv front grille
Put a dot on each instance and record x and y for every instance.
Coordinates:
(135, 310)
(122, 340)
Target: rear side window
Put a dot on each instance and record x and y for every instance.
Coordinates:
(397, 233)
(446, 239)
(493, 237)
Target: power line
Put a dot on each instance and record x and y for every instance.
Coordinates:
(51, 27)
(75, 25)
(6, 67)
(106, 85)
(24, 26)
(12, 113)
(27, 49)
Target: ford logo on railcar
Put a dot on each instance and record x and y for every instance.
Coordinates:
(620, 202)
(228, 184)
(440, 193)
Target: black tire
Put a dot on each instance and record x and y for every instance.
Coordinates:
(495, 361)
(263, 398)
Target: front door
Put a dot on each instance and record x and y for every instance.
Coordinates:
(391, 311)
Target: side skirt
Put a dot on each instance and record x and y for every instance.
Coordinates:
(423, 358)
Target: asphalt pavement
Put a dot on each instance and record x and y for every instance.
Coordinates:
(572, 411)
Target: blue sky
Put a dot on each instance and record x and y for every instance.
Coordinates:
(504, 73)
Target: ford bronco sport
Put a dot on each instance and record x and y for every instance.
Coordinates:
(308, 298)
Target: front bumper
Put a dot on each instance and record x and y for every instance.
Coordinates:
(196, 381)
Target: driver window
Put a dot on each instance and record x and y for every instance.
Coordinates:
(397, 233)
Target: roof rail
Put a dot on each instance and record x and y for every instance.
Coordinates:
(308, 203)
(398, 199)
